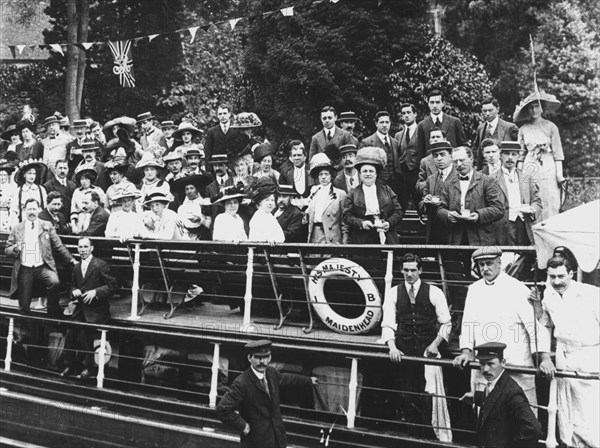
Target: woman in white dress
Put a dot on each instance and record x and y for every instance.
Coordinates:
(125, 222)
(229, 226)
(161, 223)
(264, 225)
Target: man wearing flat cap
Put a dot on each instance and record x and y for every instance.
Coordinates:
(251, 406)
(505, 416)
(497, 310)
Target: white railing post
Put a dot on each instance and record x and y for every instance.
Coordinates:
(135, 288)
(101, 355)
(248, 294)
(552, 409)
(352, 386)
(389, 275)
(212, 395)
(9, 344)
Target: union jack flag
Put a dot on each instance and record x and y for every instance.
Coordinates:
(121, 51)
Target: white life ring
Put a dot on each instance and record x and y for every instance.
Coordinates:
(342, 267)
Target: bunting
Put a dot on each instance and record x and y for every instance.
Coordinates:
(57, 48)
(288, 12)
(233, 23)
(123, 68)
(193, 30)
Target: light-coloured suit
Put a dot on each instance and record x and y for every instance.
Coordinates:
(336, 231)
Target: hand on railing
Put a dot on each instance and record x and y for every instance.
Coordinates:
(546, 367)
(462, 360)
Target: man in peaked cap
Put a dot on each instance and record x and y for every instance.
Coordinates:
(505, 416)
(251, 405)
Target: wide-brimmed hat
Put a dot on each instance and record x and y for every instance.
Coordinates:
(549, 103)
(263, 188)
(167, 124)
(200, 181)
(186, 126)
(145, 116)
(246, 120)
(348, 147)
(229, 193)
(87, 169)
(115, 165)
(319, 162)
(439, 146)
(264, 150)
(129, 191)
(26, 124)
(8, 165)
(509, 146)
(218, 158)
(26, 165)
(173, 155)
(157, 196)
(348, 116)
(148, 160)
(371, 155)
(51, 119)
(126, 123)
(10, 131)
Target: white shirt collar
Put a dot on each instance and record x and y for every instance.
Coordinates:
(493, 383)
(382, 137)
(416, 285)
(439, 116)
(492, 124)
(258, 374)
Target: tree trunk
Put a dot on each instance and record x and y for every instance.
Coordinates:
(84, 19)
(71, 104)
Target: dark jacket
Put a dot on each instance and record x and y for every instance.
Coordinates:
(506, 419)
(408, 155)
(387, 174)
(98, 222)
(260, 410)
(99, 277)
(436, 230)
(291, 223)
(355, 209)
(287, 177)
(65, 192)
(216, 142)
(483, 197)
(319, 142)
(61, 224)
(505, 131)
(452, 126)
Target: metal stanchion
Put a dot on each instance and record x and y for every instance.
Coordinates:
(552, 409)
(389, 274)
(212, 395)
(101, 355)
(9, 344)
(248, 294)
(352, 386)
(135, 288)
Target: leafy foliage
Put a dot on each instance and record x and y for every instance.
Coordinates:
(438, 64)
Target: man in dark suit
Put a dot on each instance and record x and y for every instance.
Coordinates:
(93, 284)
(436, 230)
(493, 127)
(32, 243)
(521, 198)
(251, 406)
(52, 213)
(382, 139)
(348, 178)
(491, 157)
(62, 185)
(220, 139)
(290, 217)
(505, 416)
(98, 216)
(294, 172)
(329, 135)
(437, 119)
(408, 161)
(427, 166)
(470, 204)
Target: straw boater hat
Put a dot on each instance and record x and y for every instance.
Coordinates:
(229, 193)
(319, 162)
(51, 119)
(126, 123)
(348, 147)
(89, 145)
(348, 116)
(218, 158)
(167, 124)
(200, 181)
(371, 155)
(85, 169)
(129, 191)
(549, 103)
(10, 131)
(263, 188)
(39, 166)
(439, 146)
(264, 150)
(509, 146)
(145, 116)
(246, 120)
(148, 160)
(172, 156)
(157, 197)
(186, 126)
(80, 124)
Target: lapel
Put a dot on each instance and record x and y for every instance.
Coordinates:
(492, 399)
(500, 128)
(454, 182)
(90, 268)
(445, 122)
(523, 188)
(475, 179)
(258, 384)
(502, 183)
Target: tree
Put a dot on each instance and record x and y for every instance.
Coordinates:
(78, 13)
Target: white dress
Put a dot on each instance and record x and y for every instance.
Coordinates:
(229, 228)
(264, 227)
(123, 224)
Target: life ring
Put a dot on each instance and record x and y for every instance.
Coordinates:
(342, 267)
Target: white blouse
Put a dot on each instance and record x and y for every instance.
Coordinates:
(264, 227)
(229, 228)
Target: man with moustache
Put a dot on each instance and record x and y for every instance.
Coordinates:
(89, 152)
(74, 154)
(435, 232)
(348, 122)
(174, 163)
(55, 143)
(348, 178)
(408, 161)
(382, 139)
(492, 127)
(98, 216)
(329, 135)
(52, 213)
(294, 172)
(60, 184)
(194, 158)
(427, 166)
(289, 216)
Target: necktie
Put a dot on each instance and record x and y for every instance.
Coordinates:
(486, 392)
(32, 225)
(438, 123)
(407, 136)
(329, 136)
(387, 142)
(488, 131)
(351, 181)
(265, 385)
(411, 294)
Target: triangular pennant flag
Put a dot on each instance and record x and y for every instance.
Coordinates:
(193, 31)
(233, 23)
(57, 48)
(267, 14)
(12, 51)
(152, 37)
(205, 27)
(21, 48)
(87, 45)
(287, 12)
(121, 51)
(334, 1)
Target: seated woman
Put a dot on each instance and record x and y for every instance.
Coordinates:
(185, 137)
(12, 137)
(31, 148)
(191, 214)
(28, 179)
(263, 156)
(116, 172)
(152, 181)
(263, 225)
(161, 223)
(372, 210)
(125, 222)
(85, 177)
(229, 226)
(325, 205)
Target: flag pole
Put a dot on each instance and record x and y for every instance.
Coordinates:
(535, 86)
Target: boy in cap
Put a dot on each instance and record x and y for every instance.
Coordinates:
(505, 416)
(251, 405)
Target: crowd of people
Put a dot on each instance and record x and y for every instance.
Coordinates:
(138, 178)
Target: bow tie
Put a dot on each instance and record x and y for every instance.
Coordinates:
(463, 177)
